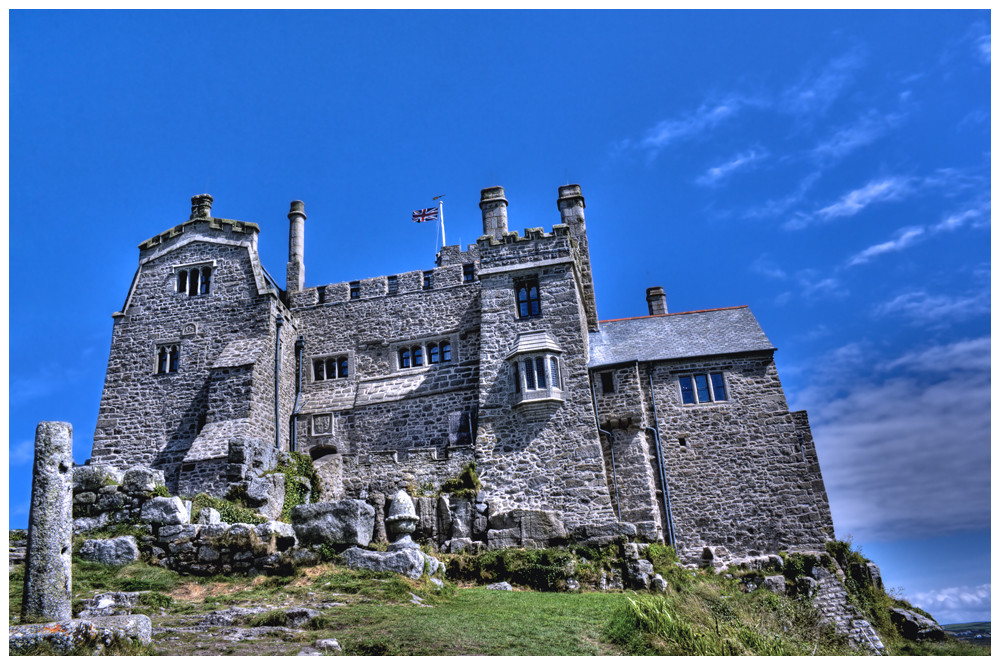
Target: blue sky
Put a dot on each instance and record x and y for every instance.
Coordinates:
(829, 169)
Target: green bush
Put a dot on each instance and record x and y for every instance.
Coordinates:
(155, 599)
(231, 511)
(466, 485)
(161, 490)
(545, 570)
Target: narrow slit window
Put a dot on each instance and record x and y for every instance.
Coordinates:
(540, 371)
(428, 280)
(607, 383)
(161, 361)
(193, 283)
(321, 294)
(318, 373)
(331, 368)
(445, 352)
(517, 377)
(556, 378)
(701, 382)
(342, 367)
(404, 358)
(182, 281)
(206, 273)
(174, 359)
(355, 290)
(418, 356)
(529, 375)
(393, 285)
(469, 272)
(433, 354)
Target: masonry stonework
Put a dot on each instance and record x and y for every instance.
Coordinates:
(670, 427)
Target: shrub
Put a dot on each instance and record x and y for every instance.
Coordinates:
(155, 599)
(161, 490)
(466, 485)
(545, 570)
(230, 511)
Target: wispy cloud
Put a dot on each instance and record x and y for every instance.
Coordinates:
(983, 47)
(961, 604)
(777, 207)
(816, 91)
(866, 130)
(740, 162)
(808, 283)
(885, 189)
(929, 479)
(935, 310)
(704, 119)
(904, 238)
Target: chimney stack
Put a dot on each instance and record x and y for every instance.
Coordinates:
(295, 277)
(571, 207)
(201, 206)
(494, 207)
(657, 300)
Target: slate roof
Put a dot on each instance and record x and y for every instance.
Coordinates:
(683, 335)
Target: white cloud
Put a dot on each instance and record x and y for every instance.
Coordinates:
(868, 129)
(742, 161)
(983, 47)
(768, 268)
(778, 207)
(705, 118)
(975, 215)
(961, 604)
(905, 443)
(921, 307)
(886, 189)
(904, 238)
(816, 92)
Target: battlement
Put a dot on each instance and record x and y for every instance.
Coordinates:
(209, 223)
(415, 281)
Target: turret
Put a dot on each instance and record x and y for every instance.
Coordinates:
(571, 205)
(494, 207)
(296, 273)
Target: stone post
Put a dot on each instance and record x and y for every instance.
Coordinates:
(494, 207)
(201, 206)
(47, 569)
(657, 300)
(295, 277)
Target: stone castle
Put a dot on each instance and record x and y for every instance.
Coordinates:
(669, 427)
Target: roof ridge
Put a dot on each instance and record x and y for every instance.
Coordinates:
(656, 316)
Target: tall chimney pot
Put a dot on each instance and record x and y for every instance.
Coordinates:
(201, 206)
(295, 276)
(657, 300)
(494, 207)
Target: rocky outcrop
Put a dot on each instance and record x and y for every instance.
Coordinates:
(914, 626)
(111, 551)
(347, 522)
(93, 635)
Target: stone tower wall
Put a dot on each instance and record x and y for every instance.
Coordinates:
(549, 456)
(152, 419)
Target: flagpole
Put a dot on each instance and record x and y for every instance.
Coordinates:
(441, 216)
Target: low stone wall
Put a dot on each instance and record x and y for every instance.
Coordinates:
(210, 549)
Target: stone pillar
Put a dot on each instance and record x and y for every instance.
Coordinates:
(201, 206)
(494, 207)
(571, 205)
(295, 277)
(47, 569)
(657, 300)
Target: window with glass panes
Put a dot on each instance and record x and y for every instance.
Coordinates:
(333, 367)
(529, 303)
(703, 388)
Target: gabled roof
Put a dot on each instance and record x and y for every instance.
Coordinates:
(707, 332)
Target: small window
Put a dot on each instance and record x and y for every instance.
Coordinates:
(445, 351)
(334, 367)
(404, 358)
(703, 388)
(517, 377)
(428, 280)
(167, 359)
(321, 294)
(355, 290)
(556, 378)
(536, 377)
(418, 356)
(393, 284)
(469, 272)
(433, 354)
(528, 302)
(429, 353)
(540, 371)
(607, 382)
(194, 281)
(529, 374)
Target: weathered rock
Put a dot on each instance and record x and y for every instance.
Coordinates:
(461, 518)
(328, 645)
(267, 494)
(164, 510)
(407, 562)
(639, 573)
(48, 564)
(658, 584)
(524, 528)
(347, 522)
(915, 626)
(775, 584)
(112, 603)
(806, 587)
(111, 551)
(92, 478)
(95, 633)
(209, 516)
(277, 536)
(85, 524)
(500, 586)
(141, 480)
(299, 616)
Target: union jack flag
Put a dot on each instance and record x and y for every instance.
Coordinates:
(425, 215)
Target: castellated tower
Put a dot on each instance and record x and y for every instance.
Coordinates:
(669, 427)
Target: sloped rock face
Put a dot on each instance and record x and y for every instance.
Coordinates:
(409, 562)
(112, 551)
(347, 522)
(525, 528)
(164, 510)
(915, 626)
